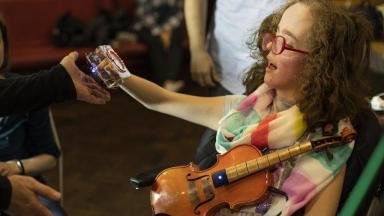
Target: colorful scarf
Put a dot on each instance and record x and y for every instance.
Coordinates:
(251, 122)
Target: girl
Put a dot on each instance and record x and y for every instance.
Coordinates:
(310, 58)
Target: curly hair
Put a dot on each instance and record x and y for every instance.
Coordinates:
(332, 82)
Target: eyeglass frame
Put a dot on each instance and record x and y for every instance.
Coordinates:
(284, 47)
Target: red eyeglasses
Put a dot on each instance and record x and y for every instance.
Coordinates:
(278, 44)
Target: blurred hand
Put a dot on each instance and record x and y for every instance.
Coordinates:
(8, 168)
(24, 199)
(86, 88)
(203, 70)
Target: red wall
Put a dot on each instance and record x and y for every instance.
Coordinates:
(30, 22)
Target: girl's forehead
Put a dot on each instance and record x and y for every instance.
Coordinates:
(296, 19)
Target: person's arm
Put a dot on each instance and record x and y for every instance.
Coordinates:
(40, 144)
(38, 164)
(60, 83)
(26, 93)
(31, 166)
(205, 111)
(202, 67)
(196, 17)
(23, 200)
(327, 201)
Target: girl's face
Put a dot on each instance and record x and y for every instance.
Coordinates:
(283, 69)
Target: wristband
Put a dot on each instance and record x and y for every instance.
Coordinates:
(20, 165)
(116, 62)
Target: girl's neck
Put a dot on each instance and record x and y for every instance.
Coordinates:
(283, 101)
(286, 96)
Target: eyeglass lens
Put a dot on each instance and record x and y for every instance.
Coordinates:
(277, 43)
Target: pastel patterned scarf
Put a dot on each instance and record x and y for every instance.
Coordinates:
(251, 122)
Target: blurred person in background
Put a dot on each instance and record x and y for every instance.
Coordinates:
(159, 24)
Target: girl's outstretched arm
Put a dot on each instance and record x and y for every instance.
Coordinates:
(205, 111)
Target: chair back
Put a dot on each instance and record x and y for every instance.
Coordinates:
(60, 159)
(366, 146)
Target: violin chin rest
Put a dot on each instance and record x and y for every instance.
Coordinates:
(145, 179)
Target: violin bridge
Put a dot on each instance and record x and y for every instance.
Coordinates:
(207, 188)
(192, 194)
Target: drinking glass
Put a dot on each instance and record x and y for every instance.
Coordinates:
(106, 66)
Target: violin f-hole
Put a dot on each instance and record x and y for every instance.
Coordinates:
(194, 179)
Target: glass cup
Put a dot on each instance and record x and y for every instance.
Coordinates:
(106, 66)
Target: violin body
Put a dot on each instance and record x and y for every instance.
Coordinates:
(188, 191)
(238, 178)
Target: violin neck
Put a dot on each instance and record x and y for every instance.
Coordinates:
(250, 167)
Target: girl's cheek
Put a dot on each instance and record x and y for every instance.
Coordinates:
(291, 62)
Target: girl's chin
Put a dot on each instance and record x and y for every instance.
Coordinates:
(267, 77)
(267, 81)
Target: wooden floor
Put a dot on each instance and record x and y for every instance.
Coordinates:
(103, 146)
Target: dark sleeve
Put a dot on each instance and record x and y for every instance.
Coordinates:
(22, 94)
(5, 193)
(39, 135)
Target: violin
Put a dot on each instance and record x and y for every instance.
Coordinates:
(239, 178)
